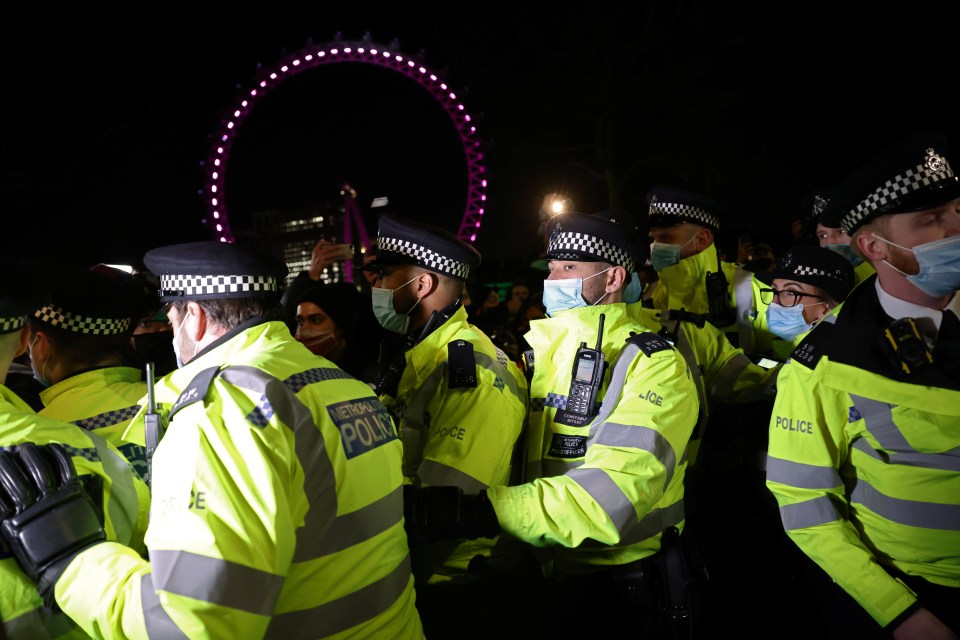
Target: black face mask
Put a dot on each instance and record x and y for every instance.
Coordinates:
(156, 348)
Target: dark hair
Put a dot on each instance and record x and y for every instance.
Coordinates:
(80, 348)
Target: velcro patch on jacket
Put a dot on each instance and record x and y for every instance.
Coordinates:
(196, 390)
(811, 348)
(462, 365)
(364, 425)
(649, 342)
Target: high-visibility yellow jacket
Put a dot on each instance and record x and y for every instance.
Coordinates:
(125, 499)
(277, 507)
(863, 460)
(862, 271)
(722, 372)
(601, 494)
(102, 400)
(683, 285)
(461, 407)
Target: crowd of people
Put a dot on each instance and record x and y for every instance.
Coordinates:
(667, 433)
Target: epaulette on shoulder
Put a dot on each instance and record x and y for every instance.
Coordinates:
(196, 390)
(814, 344)
(461, 364)
(649, 342)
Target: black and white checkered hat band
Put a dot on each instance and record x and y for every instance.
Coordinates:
(920, 176)
(187, 286)
(583, 244)
(12, 324)
(428, 258)
(68, 321)
(803, 270)
(684, 211)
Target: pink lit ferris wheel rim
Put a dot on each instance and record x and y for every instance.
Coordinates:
(313, 56)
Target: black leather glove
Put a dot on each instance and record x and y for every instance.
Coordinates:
(446, 513)
(46, 517)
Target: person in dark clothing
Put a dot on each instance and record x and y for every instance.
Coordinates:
(329, 322)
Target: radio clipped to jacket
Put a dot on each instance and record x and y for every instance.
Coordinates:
(588, 369)
(720, 314)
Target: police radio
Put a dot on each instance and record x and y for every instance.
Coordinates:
(153, 427)
(908, 345)
(720, 314)
(588, 370)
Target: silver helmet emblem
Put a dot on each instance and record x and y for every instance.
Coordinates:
(934, 162)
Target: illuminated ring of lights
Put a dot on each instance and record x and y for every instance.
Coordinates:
(318, 55)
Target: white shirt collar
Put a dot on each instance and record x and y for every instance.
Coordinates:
(928, 320)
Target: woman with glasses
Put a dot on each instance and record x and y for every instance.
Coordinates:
(807, 283)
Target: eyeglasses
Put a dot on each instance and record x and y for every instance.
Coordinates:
(784, 297)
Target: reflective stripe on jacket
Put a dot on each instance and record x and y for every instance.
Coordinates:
(463, 436)
(601, 494)
(277, 508)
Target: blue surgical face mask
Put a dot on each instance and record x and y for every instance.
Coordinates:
(387, 316)
(847, 252)
(663, 255)
(786, 322)
(566, 294)
(634, 290)
(939, 266)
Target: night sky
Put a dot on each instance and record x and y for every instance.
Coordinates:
(104, 129)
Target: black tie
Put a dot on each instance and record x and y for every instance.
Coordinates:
(949, 326)
(947, 351)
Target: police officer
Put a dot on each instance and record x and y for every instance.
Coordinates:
(807, 283)
(460, 404)
(682, 226)
(277, 501)
(612, 410)
(25, 611)
(831, 236)
(77, 345)
(801, 290)
(866, 425)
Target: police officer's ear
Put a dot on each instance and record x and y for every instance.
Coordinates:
(870, 246)
(40, 346)
(617, 279)
(703, 239)
(196, 327)
(24, 340)
(427, 282)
